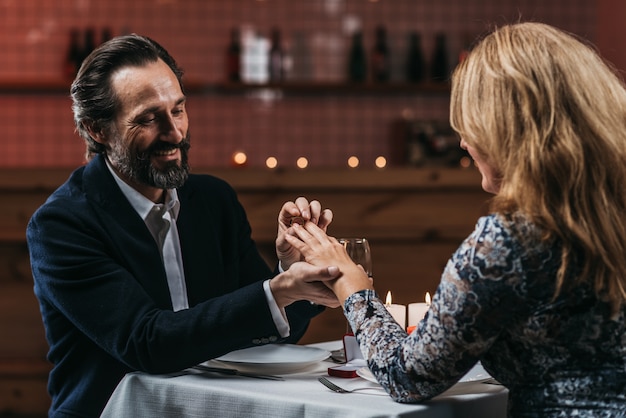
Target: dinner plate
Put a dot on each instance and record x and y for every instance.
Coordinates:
(476, 374)
(274, 358)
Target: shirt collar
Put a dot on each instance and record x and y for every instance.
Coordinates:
(142, 204)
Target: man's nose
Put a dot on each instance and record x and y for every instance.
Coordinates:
(171, 130)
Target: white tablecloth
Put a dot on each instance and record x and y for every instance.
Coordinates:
(299, 395)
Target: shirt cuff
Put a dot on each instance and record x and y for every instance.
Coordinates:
(278, 314)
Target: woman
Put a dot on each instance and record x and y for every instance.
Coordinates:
(537, 292)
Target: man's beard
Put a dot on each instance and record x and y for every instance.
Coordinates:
(137, 166)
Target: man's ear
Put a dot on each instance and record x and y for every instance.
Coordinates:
(96, 132)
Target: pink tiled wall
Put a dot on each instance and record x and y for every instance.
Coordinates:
(326, 128)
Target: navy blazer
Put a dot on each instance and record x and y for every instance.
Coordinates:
(103, 291)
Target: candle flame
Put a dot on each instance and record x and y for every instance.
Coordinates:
(388, 298)
(427, 298)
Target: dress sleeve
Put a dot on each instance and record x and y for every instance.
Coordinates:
(479, 293)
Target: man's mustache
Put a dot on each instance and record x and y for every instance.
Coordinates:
(161, 146)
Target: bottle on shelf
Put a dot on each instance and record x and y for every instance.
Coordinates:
(89, 43)
(357, 60)
(381, 60)
(439, 65)
(233, 57)
(415, 59)
(74, 54)
(276, 57)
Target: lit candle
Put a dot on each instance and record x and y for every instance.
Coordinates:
(417, 311)
(397, 311)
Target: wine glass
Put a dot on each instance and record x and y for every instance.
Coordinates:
(359, 251)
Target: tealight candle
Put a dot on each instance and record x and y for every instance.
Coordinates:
(417, 311)
(397, 311)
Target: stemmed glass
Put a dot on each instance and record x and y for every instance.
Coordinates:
(359, 251)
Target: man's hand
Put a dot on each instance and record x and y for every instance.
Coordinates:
(300, 211)
(305, 282)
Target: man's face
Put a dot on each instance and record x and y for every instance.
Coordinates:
(149, 139)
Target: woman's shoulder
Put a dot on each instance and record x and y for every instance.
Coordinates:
(513, 228)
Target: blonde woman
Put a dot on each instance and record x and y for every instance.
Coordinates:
(537, 292)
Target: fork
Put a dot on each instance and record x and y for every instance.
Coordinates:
(330, 385)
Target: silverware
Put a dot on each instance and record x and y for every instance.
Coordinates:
(235, 372)
(330, 385)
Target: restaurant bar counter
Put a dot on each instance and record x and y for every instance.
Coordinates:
(414, 219)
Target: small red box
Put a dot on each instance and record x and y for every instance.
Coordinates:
(354, 359)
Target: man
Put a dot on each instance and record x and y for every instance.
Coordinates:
(139, 265)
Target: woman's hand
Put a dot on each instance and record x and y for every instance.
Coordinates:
(321, 250)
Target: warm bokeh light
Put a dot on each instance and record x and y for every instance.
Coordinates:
(240, 158)
(465, 162)
(353, 162)
(381, 162)
(271, 162)
(302, 162)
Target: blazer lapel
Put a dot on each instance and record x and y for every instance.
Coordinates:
(134, 242)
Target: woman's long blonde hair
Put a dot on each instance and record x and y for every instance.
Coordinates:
(550, 116)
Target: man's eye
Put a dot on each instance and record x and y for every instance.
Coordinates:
(147, 120)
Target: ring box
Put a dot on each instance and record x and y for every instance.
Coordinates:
(354, 359)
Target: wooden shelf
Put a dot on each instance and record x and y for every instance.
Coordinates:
(45, 180)
(334, 88)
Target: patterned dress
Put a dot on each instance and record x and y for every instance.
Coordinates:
(563, 357)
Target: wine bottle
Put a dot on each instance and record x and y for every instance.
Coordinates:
(415, 59)
(439, 70)
(89, 43)
(381, 60)
(233, 57)
(357, 61)
(74, 55)
(276, 63)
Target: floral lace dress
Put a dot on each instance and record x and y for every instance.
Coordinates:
(558, 358)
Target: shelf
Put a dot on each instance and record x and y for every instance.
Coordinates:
(333, 88)
(60, 86)
(45, 180)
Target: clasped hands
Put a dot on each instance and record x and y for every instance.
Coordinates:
(316, 266)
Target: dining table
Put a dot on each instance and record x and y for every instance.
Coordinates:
(295, 393)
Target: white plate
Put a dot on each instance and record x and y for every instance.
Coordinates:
(274, 358)
(476, 374)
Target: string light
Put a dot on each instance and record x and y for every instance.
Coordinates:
(302, 162)
(353, 162)
(271, 162)
(381, 162)
(240, 158)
